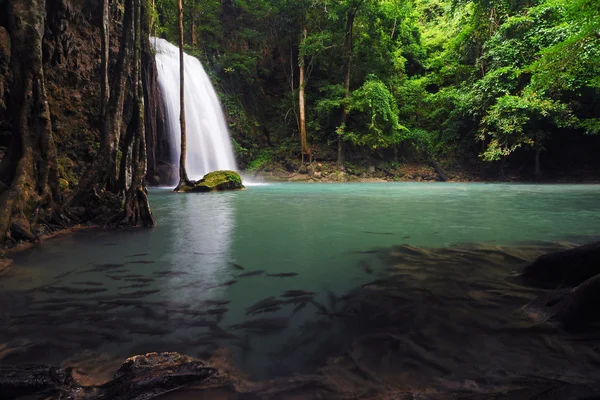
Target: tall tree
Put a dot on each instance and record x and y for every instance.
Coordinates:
(29, 189)
(102, 172)
(183, 177)
(353, 8)
(193, 28)
(136, 210)
(104, 88)
(301, 99)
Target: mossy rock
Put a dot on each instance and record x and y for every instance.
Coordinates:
(217, 181)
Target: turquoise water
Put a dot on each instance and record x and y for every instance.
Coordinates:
(326, 233)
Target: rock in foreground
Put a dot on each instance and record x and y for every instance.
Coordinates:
(568, 268)
(217, 181)
(140, 378)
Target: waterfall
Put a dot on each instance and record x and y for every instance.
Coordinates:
(208, 143)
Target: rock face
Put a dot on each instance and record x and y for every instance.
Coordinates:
(217, 181)
(575, 276)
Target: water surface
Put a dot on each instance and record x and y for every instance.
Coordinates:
(128, 292)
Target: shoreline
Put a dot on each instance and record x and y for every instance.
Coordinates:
(22, 246)
(327, 172)
(267, 177)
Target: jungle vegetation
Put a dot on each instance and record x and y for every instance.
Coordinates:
(479, 80)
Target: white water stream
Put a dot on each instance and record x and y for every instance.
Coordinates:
(208, 143)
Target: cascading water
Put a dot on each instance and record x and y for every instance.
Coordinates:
(208, 143)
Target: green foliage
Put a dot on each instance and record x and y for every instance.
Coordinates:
(374, 100)
(515, 121)
(264, 158)
(459, 78)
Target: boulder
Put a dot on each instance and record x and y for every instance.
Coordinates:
(147, 376)
(140, 378)
(572, 309)
(567, 268)
(217, 181)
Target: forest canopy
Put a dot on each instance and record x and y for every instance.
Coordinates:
(464, 80)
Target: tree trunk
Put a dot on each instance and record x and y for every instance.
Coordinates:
(347, 71)
(193, 33)
(32, 191)
(302, 103)
(441, 173)
(104, 88)
(137, 209)
(183, 178)
(102, 173)
(154, 116)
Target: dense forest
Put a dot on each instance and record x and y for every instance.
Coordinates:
(489, 85)
(470, 90)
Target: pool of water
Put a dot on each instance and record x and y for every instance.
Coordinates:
(180, 286)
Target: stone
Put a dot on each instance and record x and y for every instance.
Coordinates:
(217, 181)
(563, 269)
(572, 309)
(140, 378)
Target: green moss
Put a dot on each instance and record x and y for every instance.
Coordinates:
(216, 181)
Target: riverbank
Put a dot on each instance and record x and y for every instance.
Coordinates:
(22, 245)
(328, 172)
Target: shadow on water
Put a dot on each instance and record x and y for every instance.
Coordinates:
(441, 319)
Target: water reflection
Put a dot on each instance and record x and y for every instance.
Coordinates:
(199, 247)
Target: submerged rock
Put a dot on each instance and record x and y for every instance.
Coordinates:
(215, 182)
(565, 268)
(572, 309)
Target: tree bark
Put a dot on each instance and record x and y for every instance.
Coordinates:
(441, 173)
(347, 72)
(32, 192)
(137, 208)
(183, 177)
(302, 102)
(102, 174)
(193, 32)
(104, 84)
(154, 116)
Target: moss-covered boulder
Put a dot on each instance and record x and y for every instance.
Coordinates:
(217, 181)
